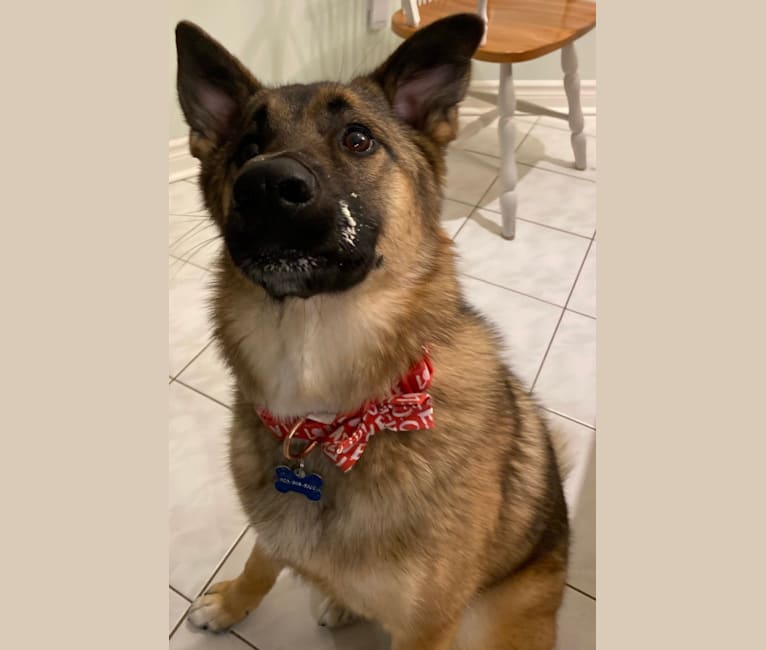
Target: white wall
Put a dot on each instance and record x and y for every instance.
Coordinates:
(285, 41)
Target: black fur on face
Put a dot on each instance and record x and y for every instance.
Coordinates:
(297, 176)
(303, 217)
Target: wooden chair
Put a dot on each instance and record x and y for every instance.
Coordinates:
(517, 30)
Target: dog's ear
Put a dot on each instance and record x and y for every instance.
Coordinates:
(428, 75)
(213, 86)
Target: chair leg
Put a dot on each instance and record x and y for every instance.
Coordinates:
(506, 133)
(572, 87)
(483, 14)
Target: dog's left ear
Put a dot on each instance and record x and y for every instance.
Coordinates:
(428, 75)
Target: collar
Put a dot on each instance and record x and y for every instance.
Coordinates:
(344, 438)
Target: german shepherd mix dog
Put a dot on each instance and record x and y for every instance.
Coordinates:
(380, 447)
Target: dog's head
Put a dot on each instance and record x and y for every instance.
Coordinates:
(316, 186)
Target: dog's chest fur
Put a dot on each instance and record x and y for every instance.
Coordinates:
(304, 356)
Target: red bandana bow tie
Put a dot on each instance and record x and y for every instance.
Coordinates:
(345, 438)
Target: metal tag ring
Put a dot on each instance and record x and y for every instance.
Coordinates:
(288, 439)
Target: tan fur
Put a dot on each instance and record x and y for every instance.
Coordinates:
(528, 601)
(450, 538)
(329, 369)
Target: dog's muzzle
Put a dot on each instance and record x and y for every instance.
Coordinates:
(296, 235)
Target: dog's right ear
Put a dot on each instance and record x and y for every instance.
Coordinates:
(213, 86)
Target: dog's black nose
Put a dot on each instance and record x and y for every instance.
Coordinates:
(274, 185)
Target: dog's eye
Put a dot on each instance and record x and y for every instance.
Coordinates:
(247, 150)
(358, 139)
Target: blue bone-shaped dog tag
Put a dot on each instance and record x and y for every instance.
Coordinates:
(309, 485)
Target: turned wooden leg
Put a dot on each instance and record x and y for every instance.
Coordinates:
(483, 15)
(506, 131)
(572, 87)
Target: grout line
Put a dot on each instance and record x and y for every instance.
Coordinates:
(579, 313)
(536, 223)
(243, 639)
(560, 173)
(515, 149)
(476, 207)
(213, 399)
(223, 560)
(565, 129)
(543, 225)
(180, 622)
(556, 171)
(526, 135)
(207, 584)
(563, 311)
(173, 589)
(580, 591)
(460, 227)
(547, 350)
(574, 284)
(521, 293)
(194, 358)
(183, 616)
(473, 205)
(527, 219)
(570, 418)
(186, 615)
(465, 203)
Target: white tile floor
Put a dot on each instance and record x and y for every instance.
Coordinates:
(538, 289)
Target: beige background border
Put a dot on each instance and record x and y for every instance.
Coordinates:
(680, 532)
(84, 317)
(84, 473)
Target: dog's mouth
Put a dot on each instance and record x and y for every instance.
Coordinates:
(282, 273)
(295, 272)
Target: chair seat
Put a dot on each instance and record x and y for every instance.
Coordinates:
(519, 30)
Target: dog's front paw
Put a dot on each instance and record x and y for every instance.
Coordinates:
(214, 611)
(328, 613)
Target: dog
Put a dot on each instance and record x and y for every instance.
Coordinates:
(379, 446)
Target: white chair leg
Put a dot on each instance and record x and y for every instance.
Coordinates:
(483, 13)
(506, 131)
(576, 121)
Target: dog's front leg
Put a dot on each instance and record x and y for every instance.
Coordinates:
(228, 602)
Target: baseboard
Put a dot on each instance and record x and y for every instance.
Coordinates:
(181, 164)
(546, 94)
